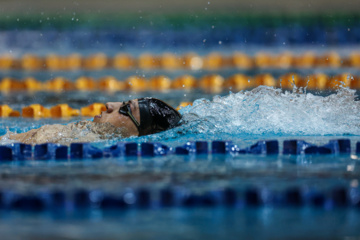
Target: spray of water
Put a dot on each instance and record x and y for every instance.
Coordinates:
(266, 110)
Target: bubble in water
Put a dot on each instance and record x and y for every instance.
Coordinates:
(129, 198)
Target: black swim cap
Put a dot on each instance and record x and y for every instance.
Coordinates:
(156, 116)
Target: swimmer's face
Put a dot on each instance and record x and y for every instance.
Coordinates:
(112, 115)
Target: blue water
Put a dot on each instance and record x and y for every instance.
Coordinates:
(277, 196)
(244, 118)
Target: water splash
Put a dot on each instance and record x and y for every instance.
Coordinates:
(266, 110)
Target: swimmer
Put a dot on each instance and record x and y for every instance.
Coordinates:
(138, 117)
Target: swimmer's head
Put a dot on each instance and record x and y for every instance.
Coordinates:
(140, 117)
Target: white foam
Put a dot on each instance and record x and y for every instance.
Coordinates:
(266, 110)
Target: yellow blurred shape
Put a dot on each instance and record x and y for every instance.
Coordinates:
(72, 62)
(6, 111)
(317, 81)
(169, 61)
(85, 83)
(263, 60)
(192, 61)
(110, 83)
(93, 109)
(54, 62)
(340, 80)
(122, 61)
(212, 83)
(354, 59)
(283, 60)
(159, 83)
(31, 62)
(184, 82)
(59, 84)
(213, 61)
(331, 59)
(355, 82)
(5, 84)
(136, 83)
(307, 60)
(148, 61)
(242, 61)
(32, 84)
(95, 61)
(265, 79)
(63, 110)
(288, 80)
(10, 84)
(35, 111)
(184, 104)
(6, 61)
(238, 82)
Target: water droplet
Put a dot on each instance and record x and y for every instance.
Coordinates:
(129, 198)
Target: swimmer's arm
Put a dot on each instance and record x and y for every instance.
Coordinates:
(24, 137)
(46, 133)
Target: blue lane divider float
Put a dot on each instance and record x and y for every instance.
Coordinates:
(16, 151)
(52, 151)
(228, 147)
(153, 149)
(6, 153)
(358, 147)
(247, 197)
(84, 150)
(262, 147)
(121, 149)
(199, 147)
(296, 147)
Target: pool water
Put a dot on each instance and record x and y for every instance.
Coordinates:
(182, 194)
(212, 195)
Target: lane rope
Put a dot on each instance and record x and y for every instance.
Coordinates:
(169, 61)
(211, 83)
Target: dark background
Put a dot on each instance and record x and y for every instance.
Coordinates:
(167, 6)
